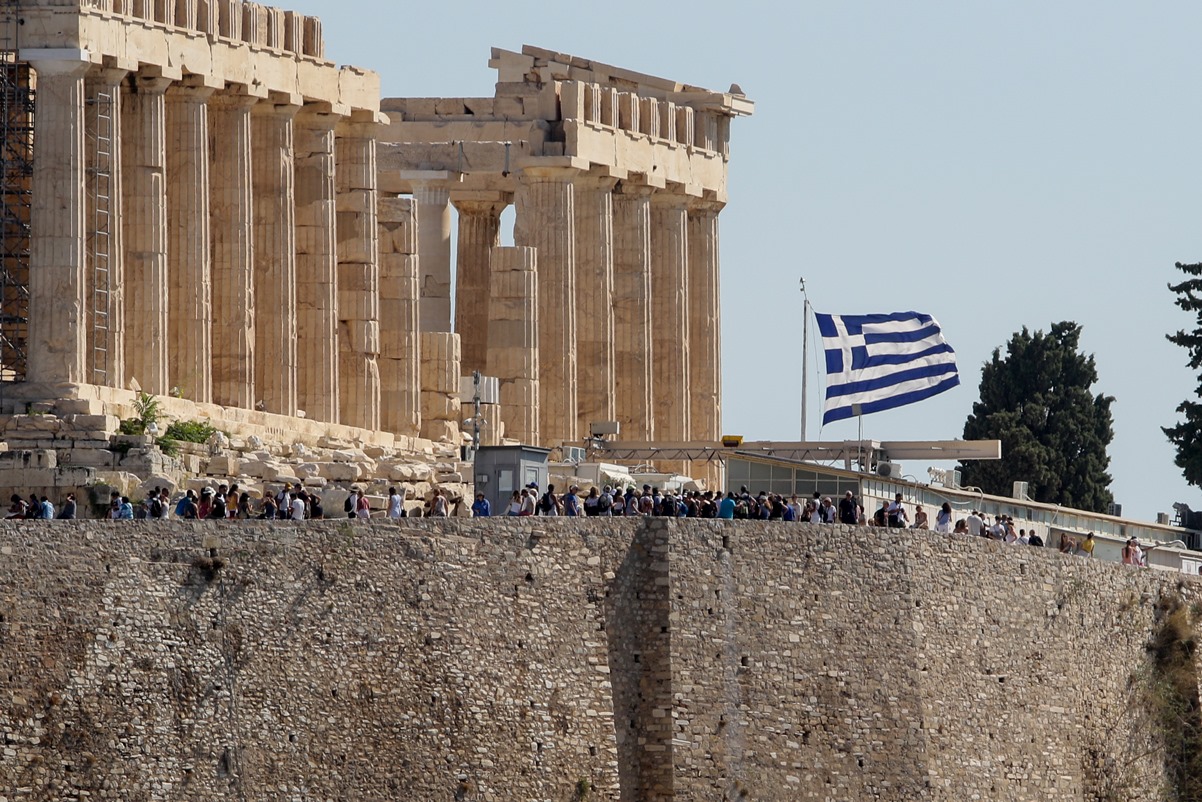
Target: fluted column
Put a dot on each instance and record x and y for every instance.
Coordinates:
(633, 348)
(105, 270)
(670, 313)
(434, 228)
(56, 342)
(594, 300)
(144, 157)
(546, 220)
(513, 342)
(705, 331)
(358, 277)
(274, 256)
(232, 230)
(479, 233)
(189, 261)
(400, 301)
(316, 267)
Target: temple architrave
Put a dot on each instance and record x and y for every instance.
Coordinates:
(222, 218)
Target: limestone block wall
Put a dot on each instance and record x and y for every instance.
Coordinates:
(501, 659)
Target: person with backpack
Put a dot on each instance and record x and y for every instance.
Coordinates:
(549, 503)
(351, 503)
(605, 502)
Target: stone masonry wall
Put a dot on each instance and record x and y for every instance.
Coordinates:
(511, 660)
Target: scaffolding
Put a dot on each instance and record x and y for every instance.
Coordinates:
(16, 194)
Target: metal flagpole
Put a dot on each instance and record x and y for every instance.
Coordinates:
(805, 354)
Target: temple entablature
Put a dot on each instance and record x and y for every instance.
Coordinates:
(250, 48)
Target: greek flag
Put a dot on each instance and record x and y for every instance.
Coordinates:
(878, 362)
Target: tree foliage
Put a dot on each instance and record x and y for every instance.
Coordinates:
(1186, 436)
(1038, 401)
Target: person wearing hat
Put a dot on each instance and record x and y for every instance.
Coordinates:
(480, 507)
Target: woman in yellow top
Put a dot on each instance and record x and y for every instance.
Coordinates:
(1087, 545)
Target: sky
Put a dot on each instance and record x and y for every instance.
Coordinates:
(996, 165)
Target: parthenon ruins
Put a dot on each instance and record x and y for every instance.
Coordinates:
(213, 213)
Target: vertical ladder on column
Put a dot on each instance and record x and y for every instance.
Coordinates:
(99, 241)
(16, 195)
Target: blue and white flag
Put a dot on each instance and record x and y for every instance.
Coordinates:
(878, 362)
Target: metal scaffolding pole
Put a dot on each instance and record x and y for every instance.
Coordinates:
(16, 194)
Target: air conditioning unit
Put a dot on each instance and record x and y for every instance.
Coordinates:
(573, 454)
(957, 480)
(1019, 491)
(1162, 518)
(1115, 509)
(889, 470)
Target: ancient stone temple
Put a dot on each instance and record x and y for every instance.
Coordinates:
(617, 180)
(217, 215)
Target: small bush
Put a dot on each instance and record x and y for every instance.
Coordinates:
(190, 431)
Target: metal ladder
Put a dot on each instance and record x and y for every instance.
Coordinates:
(100, 109)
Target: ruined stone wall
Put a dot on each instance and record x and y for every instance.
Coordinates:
(510, 660)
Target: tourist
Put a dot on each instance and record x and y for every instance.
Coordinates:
(316, 511)
(591, 502)
(363, 506)
(217, 505)
(920, 519)
(571, 502)
(549, 503)
(943, 520)
(296, 507)
(242, 510)
(849, 510)
(351, 505)
(527, 501)
(68, 512)
(975, 524)
(605, 502)
(961, 527)
(438, 505)
(18, 507)
(1034, 540)
(188, 509)
(126, 511)
(268, 508)
(47, 509)
(881, 516)
(1023, 539)
(396, 505)
(480, 507)
(1087, 545)
(206, 502)
(515, 504)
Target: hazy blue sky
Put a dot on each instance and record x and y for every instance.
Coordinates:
(995, 165)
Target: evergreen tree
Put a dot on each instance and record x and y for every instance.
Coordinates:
(1038, 401)
(1187, 435)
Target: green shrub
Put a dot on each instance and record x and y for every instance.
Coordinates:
(190, 431)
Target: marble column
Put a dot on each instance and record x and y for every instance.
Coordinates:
(705, 332)
(400, 301)
(144, 165)
(441, 407)
(189, 261)
(513, 341)
(274, 256)
(105, 270)
(232, 231)
(56, 345)
(434, 227)
(633, 348)
(594, 300)
(316, 267)
(358, 277)
(546, 220)
(479, 233)
(670, 314)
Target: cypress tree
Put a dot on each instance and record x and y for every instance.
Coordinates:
(1186, 436)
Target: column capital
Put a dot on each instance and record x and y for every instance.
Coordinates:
(481, 202)
(273, 108)
(312, 116)
(594, 181)
(196, 94)
(706, 205)
(634, 188)
(150, 82)
(58, 62)
(106, 77)
(671, 200)
(234, 100)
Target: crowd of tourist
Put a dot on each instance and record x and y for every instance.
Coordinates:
(296, 502)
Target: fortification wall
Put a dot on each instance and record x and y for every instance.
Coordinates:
(509, 660)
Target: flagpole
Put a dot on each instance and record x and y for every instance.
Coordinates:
(805, 354)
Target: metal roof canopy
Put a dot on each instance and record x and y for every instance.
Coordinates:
(847, 451)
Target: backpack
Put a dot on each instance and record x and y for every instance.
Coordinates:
(156, 508)
(544, 503)
(348, 505)
(604, 503)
